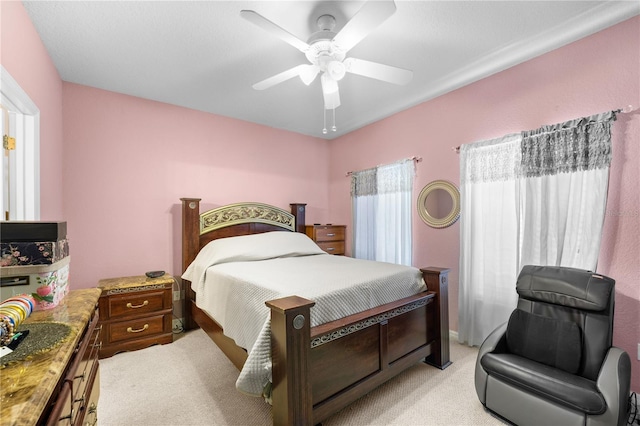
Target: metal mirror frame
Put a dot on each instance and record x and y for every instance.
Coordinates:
(453, 215)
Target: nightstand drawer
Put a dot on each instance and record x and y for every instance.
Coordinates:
(329, 233)
(332, 247)
(136, 328)
(329, 238)
(135, 304)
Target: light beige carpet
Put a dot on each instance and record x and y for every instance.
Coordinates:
(191, 382)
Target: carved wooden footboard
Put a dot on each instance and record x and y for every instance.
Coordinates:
(318, 371)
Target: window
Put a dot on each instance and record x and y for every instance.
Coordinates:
(20, 166)
(381, 200)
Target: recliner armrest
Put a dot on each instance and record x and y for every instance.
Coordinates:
(614, 382)
(494, 341)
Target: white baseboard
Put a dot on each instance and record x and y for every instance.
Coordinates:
(453, 335)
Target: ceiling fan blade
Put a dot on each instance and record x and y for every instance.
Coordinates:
(330, 92)
(378, 71)
(274, 29)
(279, 78)
(372, 14)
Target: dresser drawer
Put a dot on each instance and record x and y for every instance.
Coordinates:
(332, 247)
(135, 304)
(79, 381)
(136, 328)
(83, 379)
(329, 233)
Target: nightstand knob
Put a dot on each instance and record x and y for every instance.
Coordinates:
(145, 303)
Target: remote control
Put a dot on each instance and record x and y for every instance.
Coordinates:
(154, 274)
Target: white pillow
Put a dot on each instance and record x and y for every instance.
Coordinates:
(267, 245)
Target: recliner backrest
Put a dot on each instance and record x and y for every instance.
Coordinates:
(576, 295)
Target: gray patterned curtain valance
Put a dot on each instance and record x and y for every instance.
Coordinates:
(364, 182)
(390, 178)
(576, 145)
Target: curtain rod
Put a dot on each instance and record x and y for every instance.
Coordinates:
(414, 158)
(625, 110)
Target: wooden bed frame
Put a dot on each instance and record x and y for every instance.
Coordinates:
(318, 371)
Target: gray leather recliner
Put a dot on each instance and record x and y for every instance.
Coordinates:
(553, 363)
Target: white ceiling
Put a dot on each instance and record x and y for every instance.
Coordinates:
(203, 55)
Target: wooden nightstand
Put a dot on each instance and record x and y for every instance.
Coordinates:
(330, 238)
(135, 312)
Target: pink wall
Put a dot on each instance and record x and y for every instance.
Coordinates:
(128, 161)
(593, 75)
(23, 55)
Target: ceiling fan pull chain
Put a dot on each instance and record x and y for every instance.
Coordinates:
(324, 116)
(334, 128)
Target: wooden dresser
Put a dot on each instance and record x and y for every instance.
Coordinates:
(57, 385)
(330, 238)
(135, 312)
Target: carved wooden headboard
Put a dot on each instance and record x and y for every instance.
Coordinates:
(232, 220)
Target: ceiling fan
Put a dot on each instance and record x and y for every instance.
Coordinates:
(326, 51)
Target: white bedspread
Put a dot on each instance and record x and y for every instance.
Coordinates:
(233, 292)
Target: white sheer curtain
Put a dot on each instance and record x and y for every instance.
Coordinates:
(381, 200)
(488, 241)
(536, 198)
(563, 192)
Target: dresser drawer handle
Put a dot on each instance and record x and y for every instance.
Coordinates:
(93, 409)
(131, 330)
(331, 235)
(145, 303)
(330, 249)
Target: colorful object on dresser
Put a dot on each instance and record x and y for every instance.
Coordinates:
(35, 260)
(13, 312)
(48, 284)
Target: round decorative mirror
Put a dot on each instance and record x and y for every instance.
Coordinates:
(439, 204)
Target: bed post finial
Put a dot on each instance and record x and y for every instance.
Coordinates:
(298, 210)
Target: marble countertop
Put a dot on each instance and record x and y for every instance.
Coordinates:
(25, 387)
(135, 283)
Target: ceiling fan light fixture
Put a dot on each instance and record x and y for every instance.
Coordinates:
(329, 85)
(308, 74)
(336, 70)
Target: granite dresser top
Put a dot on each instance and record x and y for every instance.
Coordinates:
(134, 283)
(26, 386)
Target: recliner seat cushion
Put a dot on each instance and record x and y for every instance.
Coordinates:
(548, 382)
(546, 340)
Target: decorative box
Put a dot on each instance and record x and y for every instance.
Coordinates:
(48, 284)
(20, 253)
(29, 231)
